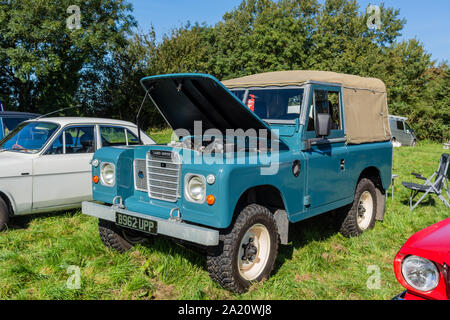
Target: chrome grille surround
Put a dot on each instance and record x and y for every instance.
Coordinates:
(163, 175)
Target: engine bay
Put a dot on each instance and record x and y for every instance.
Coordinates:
(212, 145)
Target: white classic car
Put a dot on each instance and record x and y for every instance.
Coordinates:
(45, 163)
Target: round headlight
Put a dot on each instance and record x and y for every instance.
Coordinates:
(108, 174)
(420, 273)
(196, 188)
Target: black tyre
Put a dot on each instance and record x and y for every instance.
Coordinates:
(362, 214)
(4, 214)
(117, 238)
(248, 251)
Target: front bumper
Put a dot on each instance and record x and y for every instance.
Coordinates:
(171, 228)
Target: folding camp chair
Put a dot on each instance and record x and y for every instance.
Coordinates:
(436, 187)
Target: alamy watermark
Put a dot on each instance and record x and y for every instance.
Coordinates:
(73, 22)
(374, 20)
(374, 281)
(74, 280)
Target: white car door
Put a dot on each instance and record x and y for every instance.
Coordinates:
(16, 180)
(62, 175)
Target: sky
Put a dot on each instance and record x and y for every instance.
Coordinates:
(427, 21)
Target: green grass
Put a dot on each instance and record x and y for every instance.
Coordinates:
(319, 263)
(160, 136)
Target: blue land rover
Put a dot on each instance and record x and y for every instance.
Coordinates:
(252, 156)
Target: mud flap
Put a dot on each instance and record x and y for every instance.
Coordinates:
(283, 225)
(381, 203)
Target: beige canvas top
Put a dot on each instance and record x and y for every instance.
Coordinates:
(286, 78)
(365, 99)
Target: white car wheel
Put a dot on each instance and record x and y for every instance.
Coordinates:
(361, 215)
(365, 210)
(248, 250)
(254, 251)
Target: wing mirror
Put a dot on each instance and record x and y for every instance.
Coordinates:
(323, 125)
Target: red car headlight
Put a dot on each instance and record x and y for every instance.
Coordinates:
(420, 273)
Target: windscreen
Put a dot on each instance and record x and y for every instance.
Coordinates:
(28, 137)
(273, 104)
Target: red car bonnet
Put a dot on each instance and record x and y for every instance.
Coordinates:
(432, 243)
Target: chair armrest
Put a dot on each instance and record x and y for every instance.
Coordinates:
(418, 176)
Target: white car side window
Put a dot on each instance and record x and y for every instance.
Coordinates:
(132, 139)
(77, 139)
(113, 136)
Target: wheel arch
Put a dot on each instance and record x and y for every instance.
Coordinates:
(265, 195)
(8, 202)
(374, 174)
(270, 197)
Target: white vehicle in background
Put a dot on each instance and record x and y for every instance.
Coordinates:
(45, 163)
(402, 134)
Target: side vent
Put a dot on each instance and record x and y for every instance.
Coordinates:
(140, 175)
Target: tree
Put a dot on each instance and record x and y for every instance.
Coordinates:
(264, 35)
(186, 50)
(430, 115)
(118, 92)
(268, 35)
(43, 62)
(46, 66)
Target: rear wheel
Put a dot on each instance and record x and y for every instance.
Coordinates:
(4, 214)
(249, 250)
(361, 215)
(117, 238)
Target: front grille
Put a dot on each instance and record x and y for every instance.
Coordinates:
(163, 175)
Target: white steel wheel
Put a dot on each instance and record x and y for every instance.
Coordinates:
(248, 250)
(360, 216)
(365, 210)
(254, 251)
